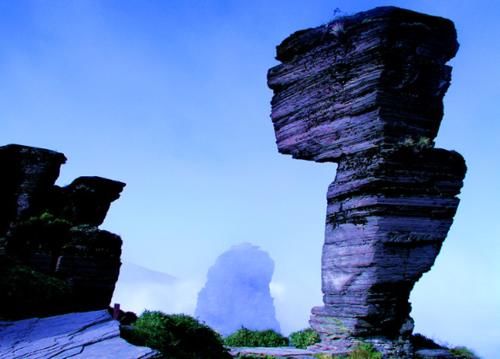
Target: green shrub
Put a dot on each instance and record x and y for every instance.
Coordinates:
(45, 233)
(176, 336)
(255, 338)
(304, 338)
(133, 335)
(364, 351)
(463, 353)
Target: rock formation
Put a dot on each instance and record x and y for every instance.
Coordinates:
(365, 91)
(53, 257)
(75, 335)
(237, 293)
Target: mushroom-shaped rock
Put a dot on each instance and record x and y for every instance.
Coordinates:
(365, 91)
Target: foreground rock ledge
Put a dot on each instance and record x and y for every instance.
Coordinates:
(365, 91)
(75, 335)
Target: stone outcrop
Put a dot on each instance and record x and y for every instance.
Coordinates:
(49, 237)
(237, 292)
(75, 335)
(86, 200)
(365, 91)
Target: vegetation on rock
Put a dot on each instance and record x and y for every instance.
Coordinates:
(463, 353)
(304, 338)
(360, 351)
(45, 232)
(420, 341)
(365, 351)
(176, 336)
(255, 338)
(25, 291)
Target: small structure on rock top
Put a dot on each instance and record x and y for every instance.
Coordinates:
(365, 91)
(53, 257)
(237, 292)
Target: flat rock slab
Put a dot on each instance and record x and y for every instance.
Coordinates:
(76, 335)
(280, 352)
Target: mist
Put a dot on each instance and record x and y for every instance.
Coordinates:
(140, 288)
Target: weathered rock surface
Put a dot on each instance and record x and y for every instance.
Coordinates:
(49, 237)
(75, 335)
(365, 91)
(280, 352)
(237, 292)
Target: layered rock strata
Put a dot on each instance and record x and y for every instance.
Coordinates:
(365, 91)
(76, 335)
(49, 237)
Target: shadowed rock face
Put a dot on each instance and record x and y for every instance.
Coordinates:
(49, 240)
(366, 91)
(87, 199)
(28, 175)
(237, 293)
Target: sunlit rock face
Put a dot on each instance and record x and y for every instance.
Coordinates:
(237, 292)
(365, 91)
(53, 257)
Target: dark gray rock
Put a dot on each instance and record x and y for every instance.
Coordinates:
(53, 258)
(365, 91)
(28, 175)
(237, 293)
(87, 199)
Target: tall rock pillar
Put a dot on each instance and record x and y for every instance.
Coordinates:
(365, 91)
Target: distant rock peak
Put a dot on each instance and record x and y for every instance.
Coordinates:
(237, 292)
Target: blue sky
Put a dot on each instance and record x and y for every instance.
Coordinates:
(171, 98)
